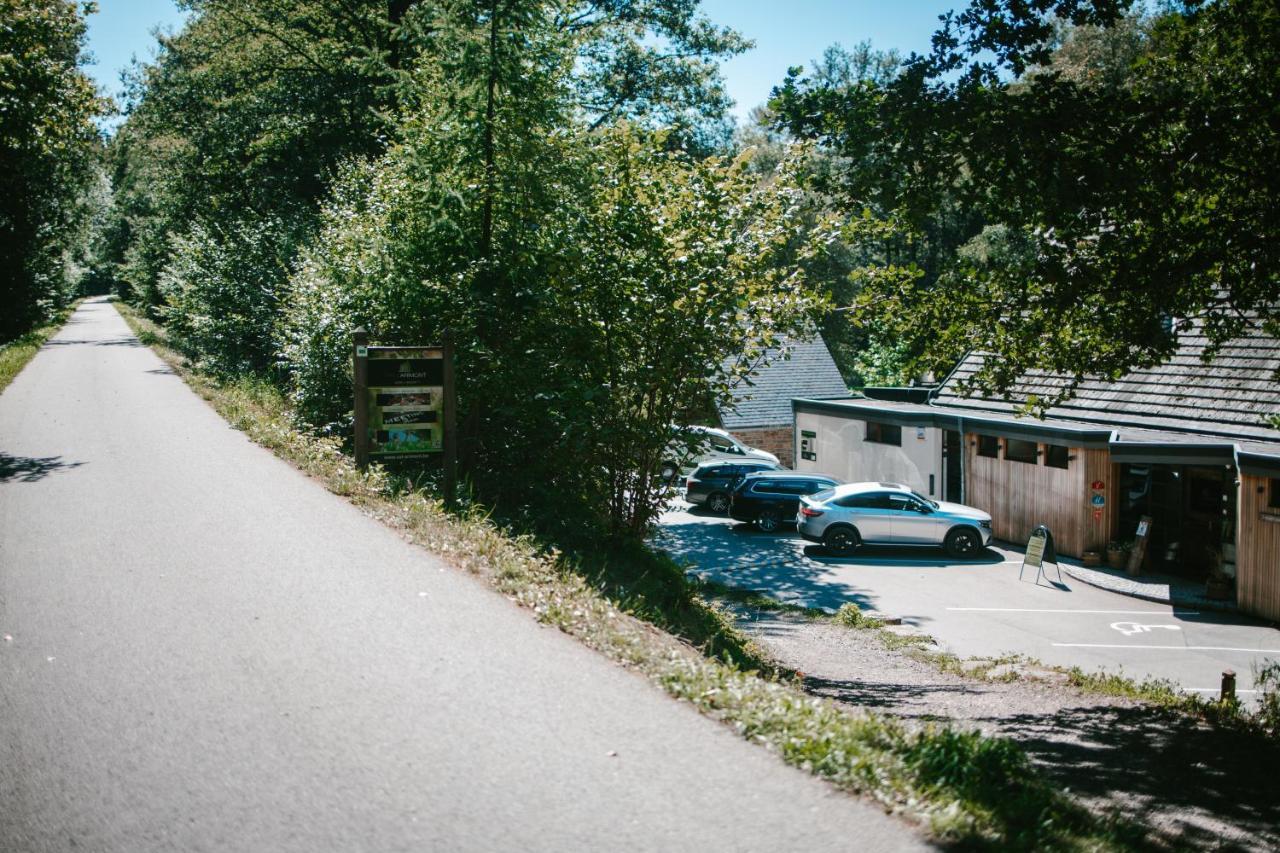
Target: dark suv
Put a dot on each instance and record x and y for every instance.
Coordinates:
(711, 483)
(770, 498)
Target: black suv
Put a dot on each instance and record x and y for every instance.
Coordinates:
(711, 483)
(770, 498)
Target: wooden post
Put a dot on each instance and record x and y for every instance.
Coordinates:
(360, 374)
(450, 436)
(1228, 693)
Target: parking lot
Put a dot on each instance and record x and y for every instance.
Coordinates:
(979, 607)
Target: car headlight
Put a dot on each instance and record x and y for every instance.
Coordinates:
(986, 523)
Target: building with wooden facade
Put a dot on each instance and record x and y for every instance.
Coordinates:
(1188, 445)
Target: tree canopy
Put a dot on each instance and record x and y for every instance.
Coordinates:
(48, 146)
(1117, 183)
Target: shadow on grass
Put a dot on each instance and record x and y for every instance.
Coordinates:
(1161, 762)
(653, 587)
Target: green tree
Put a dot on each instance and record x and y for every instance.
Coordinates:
(596, 280)
(1124, 200)
(250, 111)
(48, 145)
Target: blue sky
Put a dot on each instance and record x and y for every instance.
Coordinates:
(786, 32)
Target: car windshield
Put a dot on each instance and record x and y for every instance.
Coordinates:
(824, 495)
(928, 502)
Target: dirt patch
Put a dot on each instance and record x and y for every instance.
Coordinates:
(1196, 786)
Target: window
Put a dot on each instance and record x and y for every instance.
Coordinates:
(723, 445)
(988, 445)
(1274, 502)
(1017, 450)
(905, 503)
(1056, 456)
(884, 433)
(776, 487)
(873, 500)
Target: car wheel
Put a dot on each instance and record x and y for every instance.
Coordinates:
(841, 540)
(768, 521)
(718, 502)
(963, 542)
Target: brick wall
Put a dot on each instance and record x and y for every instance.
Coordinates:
(780, 441)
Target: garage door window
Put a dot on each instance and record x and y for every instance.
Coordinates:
(884, 433)
(1055, 456)
(1274, 502)
(989, 446)
(1017, 450)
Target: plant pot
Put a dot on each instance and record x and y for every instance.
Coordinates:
(1116, 559)
(1091, 558)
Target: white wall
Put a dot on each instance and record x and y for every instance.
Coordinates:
(844, 452)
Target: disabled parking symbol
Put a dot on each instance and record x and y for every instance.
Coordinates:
(1131, 628)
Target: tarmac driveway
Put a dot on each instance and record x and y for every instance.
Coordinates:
(979, 607)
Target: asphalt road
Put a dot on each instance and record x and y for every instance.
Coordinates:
(204, 650)
(979, 607)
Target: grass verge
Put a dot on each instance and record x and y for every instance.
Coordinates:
(15, 354)
(637, 608)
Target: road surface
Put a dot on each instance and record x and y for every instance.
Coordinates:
(204, 650)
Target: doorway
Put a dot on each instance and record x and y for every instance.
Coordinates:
(1192, 511)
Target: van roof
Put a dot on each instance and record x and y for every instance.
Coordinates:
(795, 475)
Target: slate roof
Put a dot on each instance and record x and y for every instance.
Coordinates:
(1230, 396)
(764, 399)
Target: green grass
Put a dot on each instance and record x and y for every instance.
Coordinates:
(851, 616)
(15, 354)
(638, 609)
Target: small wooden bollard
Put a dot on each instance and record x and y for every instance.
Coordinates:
(1228, 686)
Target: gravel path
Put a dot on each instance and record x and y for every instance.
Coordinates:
(1197, 787)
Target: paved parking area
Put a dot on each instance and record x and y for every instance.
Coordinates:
(979, 607)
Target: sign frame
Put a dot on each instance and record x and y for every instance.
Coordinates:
(411, 384)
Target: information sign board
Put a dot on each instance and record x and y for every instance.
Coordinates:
(404, 404)
(406, 395)
(1034, 556)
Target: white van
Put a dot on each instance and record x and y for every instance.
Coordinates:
(694, 445)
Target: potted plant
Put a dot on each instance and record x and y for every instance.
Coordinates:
(1091, 558)
(1118, 554)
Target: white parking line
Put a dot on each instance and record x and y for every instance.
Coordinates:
(1035, 610)
(1175, 648)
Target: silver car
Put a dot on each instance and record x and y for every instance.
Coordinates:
(890, 514)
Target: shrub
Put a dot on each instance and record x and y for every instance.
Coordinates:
(221, 288)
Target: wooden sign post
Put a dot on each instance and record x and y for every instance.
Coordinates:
(360, 374)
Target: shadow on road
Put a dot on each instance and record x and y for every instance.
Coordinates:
(916, 558)
(101, 342)
(740, 556)
(29, 469)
